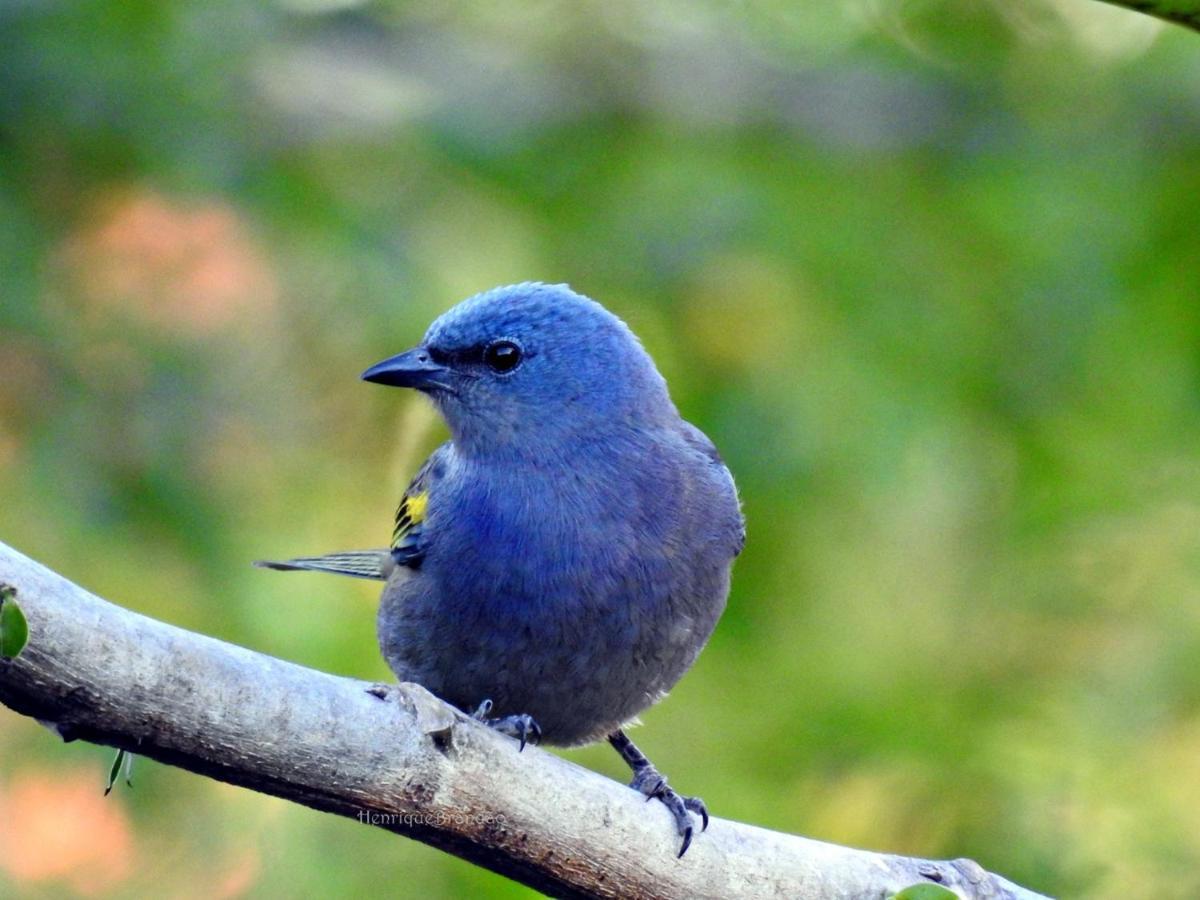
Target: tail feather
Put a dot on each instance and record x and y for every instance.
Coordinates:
(374, 564)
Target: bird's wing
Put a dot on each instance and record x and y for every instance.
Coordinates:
(737, 525)
(410, 538)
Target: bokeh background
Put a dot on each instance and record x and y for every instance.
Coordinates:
(926, 271)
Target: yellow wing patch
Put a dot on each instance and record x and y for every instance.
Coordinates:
(410, 514)
(416, 506)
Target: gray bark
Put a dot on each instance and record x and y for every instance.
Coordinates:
(407, 763)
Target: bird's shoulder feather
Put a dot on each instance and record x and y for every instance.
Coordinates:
(410, 538)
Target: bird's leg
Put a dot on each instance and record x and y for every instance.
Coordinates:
(522, 727)
(653, 784)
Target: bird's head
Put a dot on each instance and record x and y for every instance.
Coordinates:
(531, 366)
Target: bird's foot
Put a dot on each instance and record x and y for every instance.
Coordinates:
(522, 727)
(653, 784)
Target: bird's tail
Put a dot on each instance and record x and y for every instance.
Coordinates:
(374, 564)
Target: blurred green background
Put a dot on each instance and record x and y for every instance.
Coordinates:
(927, 272)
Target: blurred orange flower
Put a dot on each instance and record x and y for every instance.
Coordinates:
(186, 268)
(59, 826)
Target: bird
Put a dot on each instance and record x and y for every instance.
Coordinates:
(559, 563)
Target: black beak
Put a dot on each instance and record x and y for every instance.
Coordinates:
(413, 368)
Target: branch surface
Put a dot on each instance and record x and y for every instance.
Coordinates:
(407, 762)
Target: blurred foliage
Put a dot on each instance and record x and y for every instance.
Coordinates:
(925, 271)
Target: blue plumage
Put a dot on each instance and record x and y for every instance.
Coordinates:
(567, 553)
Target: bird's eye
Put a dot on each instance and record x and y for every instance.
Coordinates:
(502, 356)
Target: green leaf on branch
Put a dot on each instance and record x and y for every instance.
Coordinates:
(925, 891)
(1181, 12)
(14, 629)
(114, 771)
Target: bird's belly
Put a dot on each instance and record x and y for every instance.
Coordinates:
(582, 662)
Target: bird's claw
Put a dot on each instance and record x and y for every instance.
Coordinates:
(522, 726)
(650, 782)
(482, 711)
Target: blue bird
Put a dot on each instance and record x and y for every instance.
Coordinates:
(559, 563)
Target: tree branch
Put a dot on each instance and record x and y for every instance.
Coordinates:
(408, 763)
